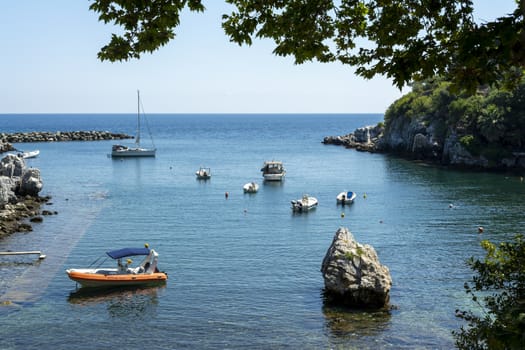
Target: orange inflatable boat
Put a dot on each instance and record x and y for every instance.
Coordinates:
(146, 273)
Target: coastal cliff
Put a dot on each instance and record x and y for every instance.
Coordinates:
(484, 131)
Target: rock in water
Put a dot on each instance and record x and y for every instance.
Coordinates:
(12, 166)
(353, 275)
(31, 183)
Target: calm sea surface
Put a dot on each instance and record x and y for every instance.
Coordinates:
(244, 272)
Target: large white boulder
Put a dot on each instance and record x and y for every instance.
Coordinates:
(353, 274)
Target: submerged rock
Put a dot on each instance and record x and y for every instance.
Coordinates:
(353, 275)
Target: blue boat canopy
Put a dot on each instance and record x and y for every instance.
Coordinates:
(124, 252)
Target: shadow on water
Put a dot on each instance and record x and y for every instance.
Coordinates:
(121, 302)
(344, 323)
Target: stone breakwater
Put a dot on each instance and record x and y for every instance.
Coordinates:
(57, 136)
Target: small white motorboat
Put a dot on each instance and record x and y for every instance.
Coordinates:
(146, 273)
(304, 204)
(29, 154)
(346, 197)
(273, 170)
(203, 173)
(250, 187)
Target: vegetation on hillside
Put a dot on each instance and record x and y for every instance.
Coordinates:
(489, 123)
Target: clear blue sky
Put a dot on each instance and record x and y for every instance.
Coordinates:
(49, 64)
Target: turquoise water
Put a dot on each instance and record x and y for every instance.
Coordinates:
(244, 271)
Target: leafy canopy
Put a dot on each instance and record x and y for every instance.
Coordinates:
(406, 40)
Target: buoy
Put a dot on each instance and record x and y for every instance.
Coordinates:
(226, 195)
(451, 205)
(364, 196)
(146, 245)
(480, 229)
(342, 215)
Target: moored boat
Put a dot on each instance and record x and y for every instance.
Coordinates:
(124, 274)
(137, 150)
(29, 154)
(304, 204)
(346, 197)
(250, 187)
(273, 171)
(203, 173)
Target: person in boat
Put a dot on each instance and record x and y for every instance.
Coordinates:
(121, 267)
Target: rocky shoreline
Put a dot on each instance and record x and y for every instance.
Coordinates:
(19, 196)
(416, 141)
(20, 203)
(366, 139)
(18, 217)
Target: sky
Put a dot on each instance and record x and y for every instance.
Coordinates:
(49, 64)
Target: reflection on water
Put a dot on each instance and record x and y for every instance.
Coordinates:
(135, 302)
(343, 323)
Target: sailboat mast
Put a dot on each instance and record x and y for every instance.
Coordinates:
(137, 141)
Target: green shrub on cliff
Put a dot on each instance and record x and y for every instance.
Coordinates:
(489, 123)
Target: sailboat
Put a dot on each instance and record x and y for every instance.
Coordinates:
(136, 150)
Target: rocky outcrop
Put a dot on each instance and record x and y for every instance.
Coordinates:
(455, 154)
(363, 139)
(353, 275)
(19, 199)
(17, 180)
(12, 166)
(415, 139)
(6, 147)
(30, 183)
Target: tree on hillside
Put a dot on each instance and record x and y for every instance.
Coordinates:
(500, 285)
(405, 40)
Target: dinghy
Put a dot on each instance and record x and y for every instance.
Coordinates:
(124, 274)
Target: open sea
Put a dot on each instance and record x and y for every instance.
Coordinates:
(244, 271)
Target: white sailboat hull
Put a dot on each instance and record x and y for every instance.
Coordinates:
(133, 152)
(137, 150)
